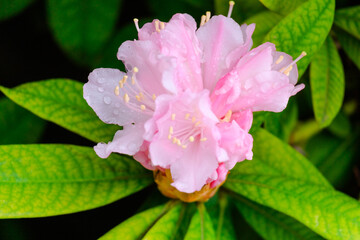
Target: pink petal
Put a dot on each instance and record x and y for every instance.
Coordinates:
(127, 141)
(282, 62)
(219, 37)
(156, 72)
(221, 175)
(142, 156)
(99, 94)
(178, 40)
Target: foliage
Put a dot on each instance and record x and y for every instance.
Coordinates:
(300, 182)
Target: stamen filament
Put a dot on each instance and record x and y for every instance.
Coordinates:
(136, 22)
(231, 6)
(303, 54)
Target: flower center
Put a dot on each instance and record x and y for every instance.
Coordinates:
(135, 97)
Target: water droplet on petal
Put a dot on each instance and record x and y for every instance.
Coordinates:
(116, 112)
(100, 89)
(101, 80)
(107, 100)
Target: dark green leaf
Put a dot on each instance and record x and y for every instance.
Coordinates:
(136, 226)
(46, 180)
(282, 7)
(200, 226)
(264, 21)
(327, 83)
(304, 29)
(351, 46)
(61, 101)
(282, 124)
(82, 27)
(341, 125)
(271, 224)
(349, 20)
(333, 156)
(18, 125)
(9, 8)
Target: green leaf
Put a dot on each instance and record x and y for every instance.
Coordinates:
(341, 125)
(282, 124)
(47, 180)
(200, 226)
(333, 156)
(219, 210)
(136, 226)
(349, 20)
(258, 120)
(271, 224)
(61, 101)
(10, 8)
(82, 27)
(264, 21)
(272, 157)
(304, 29)
(18, 125)
(351, 46)
(279, 6)
(303, 131)
(167, 226)
(327, 83)
(243, 9)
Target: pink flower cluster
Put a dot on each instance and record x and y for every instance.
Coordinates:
(187, 98)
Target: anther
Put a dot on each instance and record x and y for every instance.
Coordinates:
(178, 142)
(203, 139)
(184, 146)
(124, 79)
(117, 91)
(173, 116)
(126, 98)
(197, 123)
(133, 80)
(135, 69)
(153, 96)
(174, 140)
(287, 71)
(187, 116)
(136, 22)
(193, 119)
(203, 19)
(227, 116)
(303, 54)
(279, 60)
(231, 6)
(171, 130)
(157, 25)
(208, 15)
(142, 107)
(169, 136)
(162, 25)
(138, 98)
(191, 139)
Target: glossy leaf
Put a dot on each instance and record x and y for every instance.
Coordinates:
(82, 27)
(332, 156)
(9, 8)
(327, 83)
(304, 29)
(272, 157)
(243, 9)
(200, 226)
(170, 220)
(281, 7)
(349, 20)
(61, 101)
(136, 226)
(271, 224)
(282, 124)
(220, 214)
(330, 213)
(264, 21)
(351, 46)
(18, 125)
(47, 180)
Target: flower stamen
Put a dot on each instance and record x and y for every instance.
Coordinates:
(279, 60)
(288, 68)
(136, 22)
(203, 20)
(156, 23)
(208, 16)
(231, 6)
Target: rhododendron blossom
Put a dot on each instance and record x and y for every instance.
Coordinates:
(187, 99)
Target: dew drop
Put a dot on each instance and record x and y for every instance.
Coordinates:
(100, 89)
(101, 80)
(107, 100)
(116, 112)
